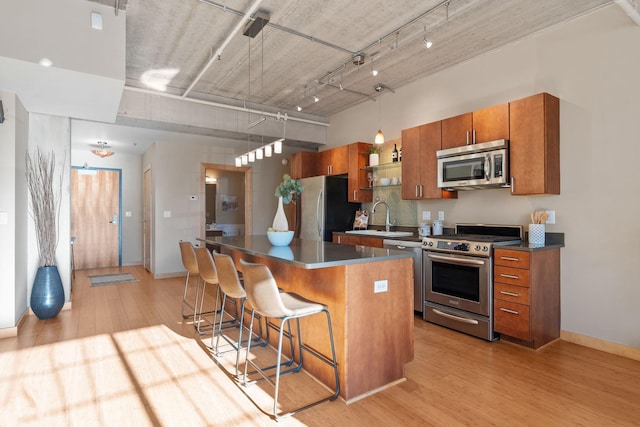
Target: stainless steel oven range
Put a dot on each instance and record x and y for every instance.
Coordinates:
(458, 276)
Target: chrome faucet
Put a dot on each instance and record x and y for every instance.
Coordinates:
(387, 221)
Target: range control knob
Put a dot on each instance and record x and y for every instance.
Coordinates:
(476, 247)
(485, 248)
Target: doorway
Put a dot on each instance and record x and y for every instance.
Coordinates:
(233, 204)
(95, 217)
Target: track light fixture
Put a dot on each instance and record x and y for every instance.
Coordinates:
(428, 43)
(315, 98)
(298, 107)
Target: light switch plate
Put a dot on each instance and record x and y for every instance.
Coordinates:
(380, 286)
(4, 218)
(167, 214)
(426, 215)
(96, 21)
(441, 215)
(552, 217)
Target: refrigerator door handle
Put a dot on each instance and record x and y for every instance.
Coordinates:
(319, 215)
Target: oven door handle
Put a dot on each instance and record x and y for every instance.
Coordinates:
(466, 261)
(453, 317)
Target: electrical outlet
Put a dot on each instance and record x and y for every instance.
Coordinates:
(127, 214)
(167, 214)
(441, 215)
(380, 286)
(194, 197)
(552, 217)
(426, 215)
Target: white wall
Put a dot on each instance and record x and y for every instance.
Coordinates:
(176, 175)
(592, 64)
(131, 197)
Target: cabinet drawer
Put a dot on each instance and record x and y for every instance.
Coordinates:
(511, 319)
(511, 276)
(518, 294)
(510, 258)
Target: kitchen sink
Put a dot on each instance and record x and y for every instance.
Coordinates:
(380, 233)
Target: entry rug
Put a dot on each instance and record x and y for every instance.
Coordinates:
(110, 279)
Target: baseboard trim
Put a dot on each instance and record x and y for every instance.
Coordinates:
(602, 345)
(13, 332)
(169, 275)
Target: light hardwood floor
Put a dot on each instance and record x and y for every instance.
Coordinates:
(124, 356)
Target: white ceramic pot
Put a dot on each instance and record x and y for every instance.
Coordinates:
(374, 159)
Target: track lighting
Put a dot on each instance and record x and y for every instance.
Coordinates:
(267, 151)
(277, 146)
(427, 43)
(259, 154)
(299, 108)
(340, 86)
(315, 98)
(238, 162)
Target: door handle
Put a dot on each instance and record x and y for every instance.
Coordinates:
(114, 220)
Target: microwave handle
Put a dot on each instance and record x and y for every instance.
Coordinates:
(487, 167)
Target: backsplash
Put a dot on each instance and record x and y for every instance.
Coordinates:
(403, 212)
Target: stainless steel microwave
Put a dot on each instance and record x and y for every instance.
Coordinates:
(475, 166)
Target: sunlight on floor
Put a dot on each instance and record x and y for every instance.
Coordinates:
(148, 376)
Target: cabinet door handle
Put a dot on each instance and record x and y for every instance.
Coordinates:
(340, 239)
(467, 137)
(506, 310)
(329, 170)
(421, 191)
(354, 195)
(513, 183)
(511, 294)
(509, 276)
(474, 137)
(417, 191)
(508, 258)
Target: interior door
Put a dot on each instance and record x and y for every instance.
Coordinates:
(95, 217)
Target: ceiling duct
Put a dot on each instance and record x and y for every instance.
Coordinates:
(253, 27)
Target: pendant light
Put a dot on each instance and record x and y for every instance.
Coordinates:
(379, 139)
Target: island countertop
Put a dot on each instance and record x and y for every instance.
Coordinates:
(308, 254)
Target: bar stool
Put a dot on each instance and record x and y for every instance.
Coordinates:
(266, 300)
(191, 265)
(208, 274)
(231, 286)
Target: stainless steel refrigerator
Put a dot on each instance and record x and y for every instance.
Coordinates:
(324, 207)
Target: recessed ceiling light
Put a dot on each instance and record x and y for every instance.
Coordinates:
(46, 62)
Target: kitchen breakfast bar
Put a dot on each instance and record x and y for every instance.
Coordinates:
(369, 293)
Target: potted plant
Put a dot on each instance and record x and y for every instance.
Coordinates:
(287, 192)
(47, 293)
(374, 155)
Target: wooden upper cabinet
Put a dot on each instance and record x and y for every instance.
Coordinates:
(487, 124)
(491, 123)
(419, 163)
(535, 145)
(456, 131)
(411, 163)
(334, 161)
(357, 177)
(303, 164)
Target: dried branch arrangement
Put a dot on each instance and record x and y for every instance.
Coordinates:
(45, 202)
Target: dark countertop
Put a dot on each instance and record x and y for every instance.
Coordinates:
(308, 254)
(551, 241)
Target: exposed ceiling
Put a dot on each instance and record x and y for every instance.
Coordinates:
(188, 47)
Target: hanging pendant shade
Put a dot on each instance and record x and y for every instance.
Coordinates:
(379, 139)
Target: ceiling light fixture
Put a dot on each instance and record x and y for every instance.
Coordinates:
(315, 98)
(298, 107)
(428, 43)
(102, 151)
(379, 138)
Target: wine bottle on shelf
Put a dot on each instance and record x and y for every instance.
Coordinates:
(394, 154)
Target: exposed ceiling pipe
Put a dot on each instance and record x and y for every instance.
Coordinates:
(227, 40)
(117, 6)
(278, 115)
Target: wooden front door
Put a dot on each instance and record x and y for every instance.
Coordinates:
(146, 215)
(95, 217)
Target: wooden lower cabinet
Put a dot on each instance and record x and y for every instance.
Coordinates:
(350, 239)
(526, 294)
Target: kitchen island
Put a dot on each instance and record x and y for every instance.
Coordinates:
(373, 331)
